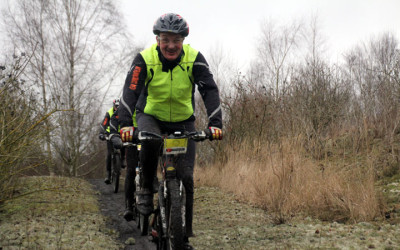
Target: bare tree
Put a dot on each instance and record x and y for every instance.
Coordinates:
(275, 53)
(319, 97)
(82, 46)
(373, 68)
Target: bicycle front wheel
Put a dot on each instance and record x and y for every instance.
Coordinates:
(176, 227)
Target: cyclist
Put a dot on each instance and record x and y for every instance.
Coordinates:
(104, 133)
(132, 163)
(160, 88)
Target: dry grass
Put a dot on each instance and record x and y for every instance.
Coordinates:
(280, 179)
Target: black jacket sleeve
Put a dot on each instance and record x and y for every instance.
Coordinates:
(134, 84)
(208, 90)
(105, 123)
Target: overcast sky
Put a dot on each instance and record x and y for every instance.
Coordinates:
(235, 24)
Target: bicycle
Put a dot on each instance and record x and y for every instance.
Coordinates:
(168, 221)
(142, 221)
(115, 166)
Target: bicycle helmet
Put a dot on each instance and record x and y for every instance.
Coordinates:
(173, 23)
(116, 103)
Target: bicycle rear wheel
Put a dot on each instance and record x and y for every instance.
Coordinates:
(116, 171)
(176, 230)
(161, 241)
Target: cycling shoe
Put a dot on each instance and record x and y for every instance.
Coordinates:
(128, 215)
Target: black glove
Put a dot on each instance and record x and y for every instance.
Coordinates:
(102, 136)
(116, 141)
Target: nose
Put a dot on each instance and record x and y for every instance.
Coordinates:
(171, 45)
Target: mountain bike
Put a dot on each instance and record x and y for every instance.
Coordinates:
(142, 221)
(168, 221)
(115, 166)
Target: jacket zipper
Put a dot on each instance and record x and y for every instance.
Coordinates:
(170, 100)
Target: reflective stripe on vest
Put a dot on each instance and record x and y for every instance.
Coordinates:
(169, 93)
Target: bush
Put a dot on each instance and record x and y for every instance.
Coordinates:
(20, 133)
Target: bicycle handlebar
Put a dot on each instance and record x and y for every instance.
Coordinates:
(195, 135)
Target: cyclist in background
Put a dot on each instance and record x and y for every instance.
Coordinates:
(104, 134)
(160, 87)
(132, 163)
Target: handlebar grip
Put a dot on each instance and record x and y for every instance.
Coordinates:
(135, 134)
(208, 134)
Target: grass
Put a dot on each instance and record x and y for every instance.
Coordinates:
(63, 213)
(222, 222)
(284, 181)
(54, 213)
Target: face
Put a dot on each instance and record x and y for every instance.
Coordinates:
(170, 45)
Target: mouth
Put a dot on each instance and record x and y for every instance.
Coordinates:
(171, 52)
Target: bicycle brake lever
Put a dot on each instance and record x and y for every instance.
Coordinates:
(142, 137)
(200, 136)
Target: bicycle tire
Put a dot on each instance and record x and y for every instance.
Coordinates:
(144, 224)
(175, 228)
(116, 171)
(137, 217)
(161, 242)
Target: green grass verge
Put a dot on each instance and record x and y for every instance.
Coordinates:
(54, 213)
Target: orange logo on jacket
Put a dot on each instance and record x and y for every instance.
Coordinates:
(105, 121)
(135, 78)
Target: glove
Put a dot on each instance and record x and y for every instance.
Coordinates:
(116, 141)
(216, 133)
(127, 134)
(102, 137)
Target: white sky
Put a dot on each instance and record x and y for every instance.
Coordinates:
(234, 24)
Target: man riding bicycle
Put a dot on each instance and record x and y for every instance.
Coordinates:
(160, 88)
(104, 134)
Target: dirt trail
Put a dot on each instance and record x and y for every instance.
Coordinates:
(112, 206)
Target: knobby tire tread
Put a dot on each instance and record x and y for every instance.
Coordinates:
(176, 230)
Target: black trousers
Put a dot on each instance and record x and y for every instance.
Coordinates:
(149, 157)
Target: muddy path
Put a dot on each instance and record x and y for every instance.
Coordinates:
(112, 207)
